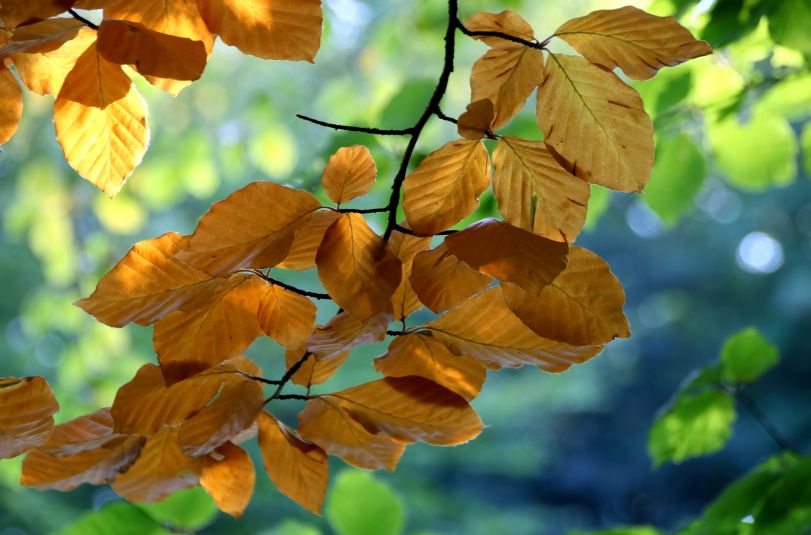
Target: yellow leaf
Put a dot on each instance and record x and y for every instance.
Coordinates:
(27, 406)
(357, 268)
(595, 123)
(161, 470)
(151, 53)
(535, 193)
(350, 173)
(586, 299)
(485, 328)
(285, 316)
(314, 370)
(15, 13)
(477, 120)
(94, 81)
(424, 356)
(445, 186)
(405, 300)
(441, 280)
(45, 72)
(147, 284)
(635, 41)
(308, 237)
(42, 36)
(508, 253)
(180, 18)
(270, 29)
(344, 332)
(508, 21)
(229, 477)
(220, 327)
(251, 228)
(83, 450)
(506, 77)
(298, 469)
(11, 104)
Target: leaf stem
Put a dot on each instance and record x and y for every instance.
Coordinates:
(305, 293)
(88, 23)
(365, 129)
(760, 417)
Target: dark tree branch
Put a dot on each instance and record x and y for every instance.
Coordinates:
(404, 230)
(277, 394)
(444, 117)
(305, 293)
(259, 379)
(88, 23)
(362, 210)
(487, 33)
(365, 129)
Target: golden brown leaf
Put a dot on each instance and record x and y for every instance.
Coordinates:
(180, 18)
(27, 406)
(11, 104)
(308, 237)
(635, 41)
(298, 469)
(285, 316)
(485, 328)
(83, 450)
(357, 268)
(161, 470)
(424, 356)
(535, 193)
(506, 77)
(314, 371)
(270, 29)
(350, 173)
(508, 21)
(508, 253)
(405, 300)
(251, 228)
(595, 123)
(94, 81)
(151, 53)
(353, 424)
(344, 332)
(45, 72)
(220, 327)
(147, 284)
(229, 477)
(42, 36)
(16, 13)
(441, 280)
(477, 120)
(445, 186)
(586, 300)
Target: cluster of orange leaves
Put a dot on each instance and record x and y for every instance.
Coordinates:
(507, 293)
(100, 118)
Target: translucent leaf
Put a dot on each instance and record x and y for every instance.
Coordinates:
(13, 14)
(190, 509)
(359, 504)
(789, 21)
(746, 356)
(118, 517)
(45, 72)
(27, 406)
(11, 104)
(405, 247)
(350, 172)
(676, 178)
(508, 21)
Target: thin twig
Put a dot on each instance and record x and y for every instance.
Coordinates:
(305, 293)
(506, 36)
(757, 413)
(365, 129)
(362, 210)
(259, 379)
(292, 396)
(277, 394)
(88, 23)
(444, 117)
(404, 230)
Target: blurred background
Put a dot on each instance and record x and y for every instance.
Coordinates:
(721, 240)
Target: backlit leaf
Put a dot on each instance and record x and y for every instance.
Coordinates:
(298, 469)
(445, 186)
(441, 280)
(285, 316)
(506, 77)
(746, 356)
(13, 14)
(676, 178)
(344, 331)
(635, 41)
(508, 21)
(43, 36)
(228, 476)
(405, 247)
(307, 239)
(117, 517)
(45, 72)
(251, 228)
(425, 356)
(11, 104)
(595, 123)
(350, 172)
(535, 193)
(357, 268)
(314, 370)
(27, 406)
(270, 29)
(94, 81)
(359, 504)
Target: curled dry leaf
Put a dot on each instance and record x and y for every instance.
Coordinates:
(445, 186)
(315, 370)
(285, 316)
(27, 406)
(486, 329)
(595, 124)
(11, 104)
(350, 173)
(299, 469)
(477, 120)
(535, 193)
(508, 21)
(586, 299)
(442, 281)
(251, 228)
(357, 268)
(228, 476)
(635, 41)
(425, 356)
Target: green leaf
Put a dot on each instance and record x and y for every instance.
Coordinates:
(787, 509)
(676, 178)
(359, 504)
(667, 89)
(599, 203)
(630, 530)
(730, 20)
(789, 23)
(695, 425)
(790, 98)
(293, 527)
(406, 106)
(806, 143)
(746, 356)
(757, 155)
(116, 518)
(190, 509)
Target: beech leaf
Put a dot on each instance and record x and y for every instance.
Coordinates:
(350, 172)
(11, 104)
(285, 316)
(508, 21)
(442, 281)
(27, 406)
(228, 476)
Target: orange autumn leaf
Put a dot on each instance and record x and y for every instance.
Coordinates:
(307, 239)
(357, 268)
(344, 332)
(180, 18)
(11, 104)
(314, 370)
(228, 476)
(508, 21)
(94, 81)
(424, 356)
(405, 247)
(441, 280)
(44, 72)
(350, 172)
(16, 13)
(27, 406)
(299, 469)
(445, 186)
(285, 316)
(635, 41)
(477, 120)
